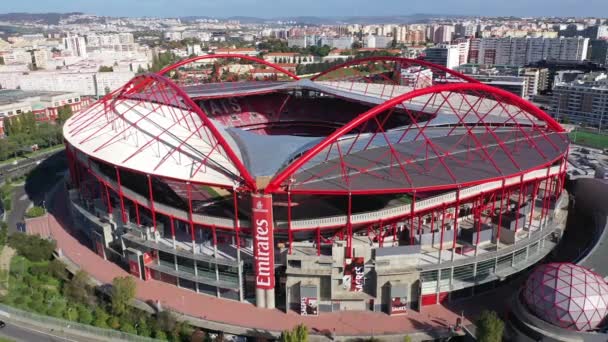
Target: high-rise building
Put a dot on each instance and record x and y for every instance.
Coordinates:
(444, 54)
(598, 51)
(443, 34)
(582, 101)
(522, 51)
(377, 42)
(76, 45)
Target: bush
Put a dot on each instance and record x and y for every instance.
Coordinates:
(101, 318)
(34, 248)
(84, 315)
(489, 327)
(79, 290)
(128, 328)
(123, 291)
(160, 335)
(35, 211)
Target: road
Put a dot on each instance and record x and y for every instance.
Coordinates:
(20, 204)
(22, 333)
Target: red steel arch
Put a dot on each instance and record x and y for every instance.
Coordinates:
(227, 56)
(397, 59)
(508, 97)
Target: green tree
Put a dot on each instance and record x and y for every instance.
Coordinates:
(32, 247)
(104, 68)
(407, 338)
(63, 114)
(490, 327)
(79, 290)
(128, 328)
(123, 292)
(84, 314)
(160, 335)
(100, 318)
(298, 334)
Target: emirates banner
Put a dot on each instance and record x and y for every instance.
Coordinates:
(263, 241)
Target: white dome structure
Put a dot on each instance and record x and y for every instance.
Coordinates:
(567, 295)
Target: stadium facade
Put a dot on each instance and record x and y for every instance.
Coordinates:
(383, 184)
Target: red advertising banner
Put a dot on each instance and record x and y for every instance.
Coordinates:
(398, 305)
(309, 306)
(134, 268)
(354, 274)
(263, 241)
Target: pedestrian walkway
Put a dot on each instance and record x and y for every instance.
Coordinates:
(245, 315)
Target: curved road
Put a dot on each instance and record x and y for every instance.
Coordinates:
(20, 332)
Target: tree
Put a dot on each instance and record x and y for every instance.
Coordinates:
(297, 334)
(104, 68)
(490, 327)
(123, 292)
(101, 318)
(79, 290)
(63, 114)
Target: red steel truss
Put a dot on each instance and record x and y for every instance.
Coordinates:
(529, 126)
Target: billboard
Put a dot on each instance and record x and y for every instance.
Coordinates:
(309, 306)
(263, 241)
(398, 305)
(354, 274)
(134, 268)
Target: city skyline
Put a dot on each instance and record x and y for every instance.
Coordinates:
(268, 9)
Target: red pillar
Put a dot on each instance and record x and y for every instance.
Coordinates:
(151, 194)
(519, 196)
(533, 201)
(190, 210)
(412, 209)
(171, 218)
(502, 197)
(289, 232)
(137, 213)
(349, 227)
(122, 201)
(318, 241)
(237, 225)
(477, 211)
(442, 228)
(456, 218)
(105, 186)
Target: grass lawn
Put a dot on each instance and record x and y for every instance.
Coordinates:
(589, 139)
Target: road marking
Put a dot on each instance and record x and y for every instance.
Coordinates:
(42, 332)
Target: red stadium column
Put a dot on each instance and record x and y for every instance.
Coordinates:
(190, 218)
(499, 225)
(349, 228)
(137, 213)
(122, 200)
(433, 228)
(442, 231)
(151, 197)
(519, 196)
(318, 241)
(237, 224)
(536, 185)
(289, 232)
(412, 209)
(456, 212)
(172, 220)
(263, 249)
(109, 203)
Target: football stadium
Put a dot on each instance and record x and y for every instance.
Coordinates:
(383, 184)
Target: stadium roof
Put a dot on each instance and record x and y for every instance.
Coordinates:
(468, 132)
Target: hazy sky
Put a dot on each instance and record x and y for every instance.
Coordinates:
(272, 8)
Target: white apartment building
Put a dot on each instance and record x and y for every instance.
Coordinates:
(444, 54)
(583, 101)
(377, 42)
(85, 83)
(521, 51)
(416, 77)
(76, 45)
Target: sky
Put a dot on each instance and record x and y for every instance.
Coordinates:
(282, 8)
